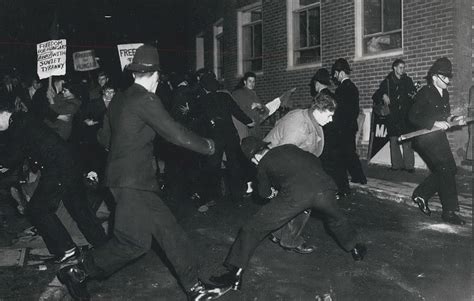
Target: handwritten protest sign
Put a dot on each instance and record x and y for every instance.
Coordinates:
(51, 58)
(126, 53)
(85, 60)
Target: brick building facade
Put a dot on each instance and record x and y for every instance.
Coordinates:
(429, 30)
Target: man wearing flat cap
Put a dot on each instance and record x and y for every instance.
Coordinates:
(431, 109)
(294, 180)
(134, 118)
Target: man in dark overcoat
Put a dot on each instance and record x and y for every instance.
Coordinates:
(134, 118)
(345, 123)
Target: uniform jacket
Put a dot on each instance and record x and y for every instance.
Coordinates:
(430, 106)
(347, 110)
(293, 172)
(134, 118)
(298, 127)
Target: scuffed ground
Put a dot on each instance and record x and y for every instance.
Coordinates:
(411, 257)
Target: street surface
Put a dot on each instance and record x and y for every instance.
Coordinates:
(410, 257)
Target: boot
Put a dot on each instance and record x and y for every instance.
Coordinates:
(231, 279)
(74, 278)
(201, 291)
(451, 218)
(359, 252)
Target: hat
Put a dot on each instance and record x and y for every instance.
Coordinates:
(322, 76)
(252, 145)
(146, 59)
(341, 64)
(441, 66)
(209, 82)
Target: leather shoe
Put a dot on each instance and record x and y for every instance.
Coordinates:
(304, 248)
(74, 278)
(232, 279)
(359, 252)
(362, 181)
(204, 291)
(67, 256)
(422, 204)
(452, 218)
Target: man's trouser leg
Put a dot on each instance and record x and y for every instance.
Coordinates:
(270, 217)
(76, 204)
(290, 234)
(139, 216)
(336, 221)
(396, 154)
(42, 212)
(408, 155)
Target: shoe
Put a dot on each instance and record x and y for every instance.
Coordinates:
(304, 248)
(359, 252)
(422, 204)
(232, 279)
(451, 218)
(274, 239)
(74, 278)
(394, 169)
(342, 195)
(203, 291)
(409, 170)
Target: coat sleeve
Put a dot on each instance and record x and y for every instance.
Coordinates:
(237, 111)
(420, 113)
(153, 113)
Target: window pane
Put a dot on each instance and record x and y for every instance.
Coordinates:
(302, 27)
(313, 27)
(372, 16)
(308, 56)
(247, 41)
(257, 35)
(307, 2)
(256, 64)
(382, 43)
(392, 15)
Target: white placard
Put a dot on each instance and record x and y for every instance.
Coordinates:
(126, 53)
(85, 60)
(51, 58)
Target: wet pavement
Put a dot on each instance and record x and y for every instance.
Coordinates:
(410, 257)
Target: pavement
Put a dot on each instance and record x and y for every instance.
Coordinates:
(398, 186)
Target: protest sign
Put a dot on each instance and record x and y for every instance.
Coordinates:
(126, 53)
(378, 135)
(85, 60)
(51, 58)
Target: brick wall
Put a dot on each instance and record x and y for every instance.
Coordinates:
(431, 29)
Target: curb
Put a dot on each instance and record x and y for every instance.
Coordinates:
(402, 197)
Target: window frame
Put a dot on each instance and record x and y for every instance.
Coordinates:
(240, 26)
(217, 52)
(292, 7)
(359, 34)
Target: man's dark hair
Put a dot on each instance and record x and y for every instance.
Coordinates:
(102, 73)
(246, 76)
(397, 62)
(324, 102)
(108, 86)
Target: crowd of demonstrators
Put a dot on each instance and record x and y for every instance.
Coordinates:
(69, 133)
(394, 97)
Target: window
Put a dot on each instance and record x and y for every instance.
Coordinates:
(304, 28)
(380, 24)
(199, 51)
(218, 49)
(250, 39)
